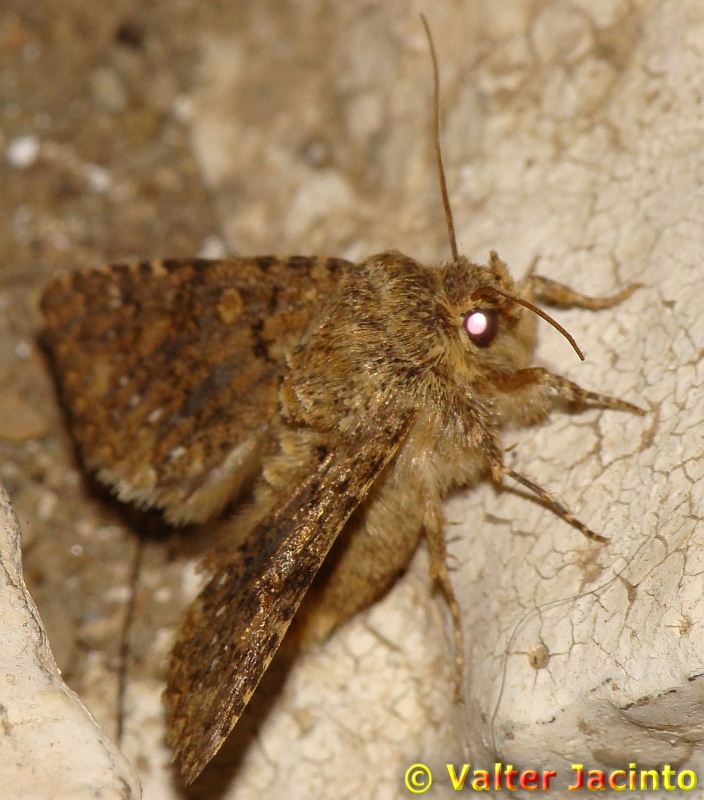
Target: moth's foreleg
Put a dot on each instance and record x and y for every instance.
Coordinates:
(537, 288)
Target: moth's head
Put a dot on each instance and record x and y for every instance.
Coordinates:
(462, 317)
(486, 326)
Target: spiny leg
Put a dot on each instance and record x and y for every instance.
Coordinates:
(435, 535)
(498, 471)
(556, 506)
(552, 293)
(573, 393)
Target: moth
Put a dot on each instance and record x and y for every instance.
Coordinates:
(354, 397)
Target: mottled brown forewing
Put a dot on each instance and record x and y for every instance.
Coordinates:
(233, 629)
(169, 369)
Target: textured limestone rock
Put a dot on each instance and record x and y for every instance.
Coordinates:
(582, 653)
(50, 746)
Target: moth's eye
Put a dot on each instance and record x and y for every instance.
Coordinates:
(482, 325)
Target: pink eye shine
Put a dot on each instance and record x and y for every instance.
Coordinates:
(482, 325)
(477, 323)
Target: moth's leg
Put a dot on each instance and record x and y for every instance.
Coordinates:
(495, 459)
(543, 290)
(573, 393)
(434, 529)
(527, 395)
(556, 506)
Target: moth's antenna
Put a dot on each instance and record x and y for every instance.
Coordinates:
(438, 151)
(539, 311)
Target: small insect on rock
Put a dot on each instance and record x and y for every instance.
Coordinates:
(357, 395)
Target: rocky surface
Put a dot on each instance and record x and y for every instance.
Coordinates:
(50, 746)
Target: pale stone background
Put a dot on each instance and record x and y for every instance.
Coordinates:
(573, 130)
(51, 746)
